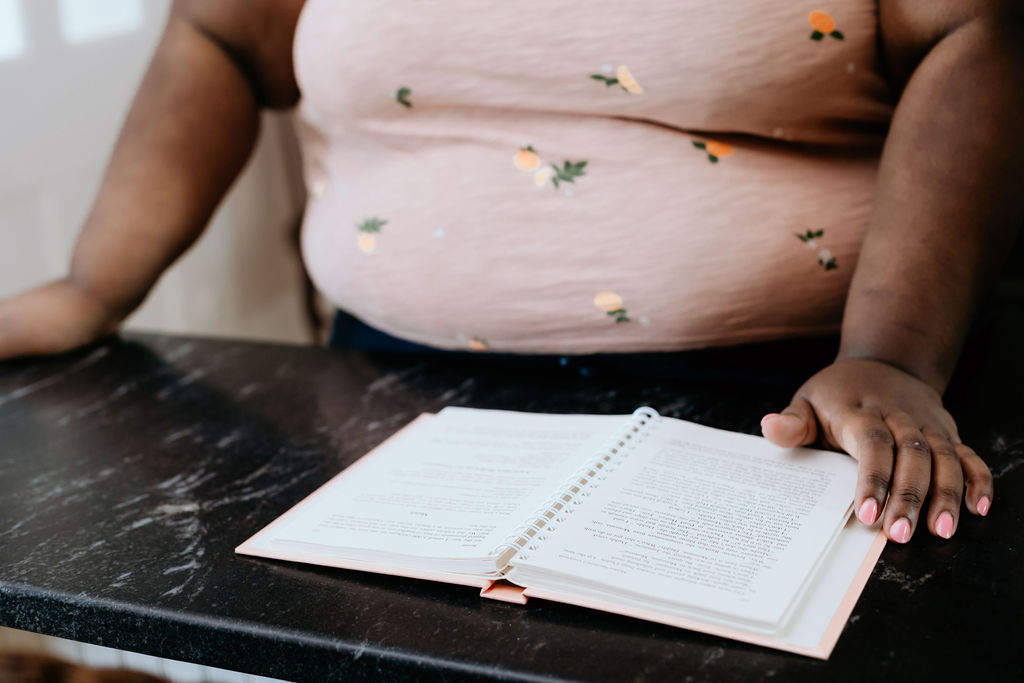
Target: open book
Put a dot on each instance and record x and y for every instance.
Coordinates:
(640, 515)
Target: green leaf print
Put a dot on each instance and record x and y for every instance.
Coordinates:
(809, 235)
(402, 96)
(817, 35)
(837, 35)
(699, 145)
(619, 315)
(371, 225)
(568, 172)
(607, 80)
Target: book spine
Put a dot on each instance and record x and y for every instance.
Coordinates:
(578, 487)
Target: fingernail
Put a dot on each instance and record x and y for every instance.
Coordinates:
(944, 525)
(765, 418)
(900, 530)
(868, 512)
(983, 506)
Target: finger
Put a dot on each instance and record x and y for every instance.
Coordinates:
(947, 487)
(950, 424)
(979, 480)
(867, 438)
(795, 426)
(912, 472)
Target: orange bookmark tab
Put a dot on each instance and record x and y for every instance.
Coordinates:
(504, 591)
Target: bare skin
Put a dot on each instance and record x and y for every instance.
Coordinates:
(189, 132)
(948, 205)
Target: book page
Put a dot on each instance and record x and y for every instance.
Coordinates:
(453, 486)
(721, 523)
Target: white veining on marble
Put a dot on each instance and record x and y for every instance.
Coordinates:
(231, 438)
(906, 581)
(392, 379)
(1010, 454)
(711, 657)
(28, 389)
(173, 591)
(250, 388)
(180, 485)
(464, 390)
(179, 352)
(266, 492)
(191, 564)
(191, 377)
(168, 509)
(131, 501)
(180, 434)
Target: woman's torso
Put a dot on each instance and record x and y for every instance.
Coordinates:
(713, 160)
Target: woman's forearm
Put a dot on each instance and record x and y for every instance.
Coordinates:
(189, 132)
(949, 201)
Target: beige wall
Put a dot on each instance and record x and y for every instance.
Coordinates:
(66, 91)
(65, 87)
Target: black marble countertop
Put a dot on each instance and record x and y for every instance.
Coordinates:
(129, 471)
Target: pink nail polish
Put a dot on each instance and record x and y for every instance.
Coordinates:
(868, 512)
(944, 525)
(900, 530)
(983, 504)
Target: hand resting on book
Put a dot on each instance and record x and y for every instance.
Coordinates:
(906, 443)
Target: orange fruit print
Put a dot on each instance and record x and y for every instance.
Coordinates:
(526, 159)
(823, 25)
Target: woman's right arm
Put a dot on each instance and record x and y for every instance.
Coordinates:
(189, 132)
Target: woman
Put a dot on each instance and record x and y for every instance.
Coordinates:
(557, 177)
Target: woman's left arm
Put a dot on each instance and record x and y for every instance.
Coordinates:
(949, 201)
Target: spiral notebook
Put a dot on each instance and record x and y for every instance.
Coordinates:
(649, 517)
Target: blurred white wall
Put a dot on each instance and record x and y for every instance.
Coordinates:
(68, 71)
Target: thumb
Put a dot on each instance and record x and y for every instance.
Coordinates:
(795, 426)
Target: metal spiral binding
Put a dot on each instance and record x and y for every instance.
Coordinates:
(579, 485)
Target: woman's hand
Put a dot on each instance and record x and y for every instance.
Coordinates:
(905, 442)
(55, 317)
(947, 207)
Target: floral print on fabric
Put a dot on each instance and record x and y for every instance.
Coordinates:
(825, 257)
(527, 159)
(368, 230)
(474, 343)
(622, 78)
(402, 97)
(611, 304)
(823, 25)
(714, 150)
